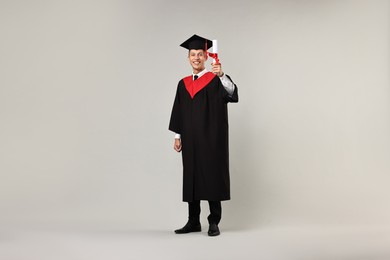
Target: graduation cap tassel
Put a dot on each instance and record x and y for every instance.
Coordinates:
(205, 47)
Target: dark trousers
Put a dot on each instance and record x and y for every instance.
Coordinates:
(194, 212)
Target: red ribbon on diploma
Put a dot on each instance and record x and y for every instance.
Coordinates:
(214, 56)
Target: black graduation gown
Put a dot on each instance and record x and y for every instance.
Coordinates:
(200, 116)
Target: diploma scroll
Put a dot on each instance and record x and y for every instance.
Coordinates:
(214, 54)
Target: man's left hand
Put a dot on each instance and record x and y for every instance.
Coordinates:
(217, 69)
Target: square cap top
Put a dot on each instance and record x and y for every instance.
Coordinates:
(196, 42)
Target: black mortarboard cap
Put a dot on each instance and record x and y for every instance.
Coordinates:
(196, 42)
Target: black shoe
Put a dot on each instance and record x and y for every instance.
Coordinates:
(189, 227)
(213, 230)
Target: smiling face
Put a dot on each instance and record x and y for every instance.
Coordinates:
(197, 59)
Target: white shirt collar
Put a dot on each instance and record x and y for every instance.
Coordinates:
(200, 74)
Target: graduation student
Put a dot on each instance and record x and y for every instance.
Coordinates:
(199, 120)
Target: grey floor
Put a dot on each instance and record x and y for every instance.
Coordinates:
(287, 243)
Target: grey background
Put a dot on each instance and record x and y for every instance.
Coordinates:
(86, 91)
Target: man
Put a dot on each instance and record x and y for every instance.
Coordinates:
(200, 120)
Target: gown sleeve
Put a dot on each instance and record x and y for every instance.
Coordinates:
(174, 124)
(231, 98)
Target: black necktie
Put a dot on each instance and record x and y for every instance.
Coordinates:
(196, 77)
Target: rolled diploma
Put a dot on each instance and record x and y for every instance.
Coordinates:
(215, 48)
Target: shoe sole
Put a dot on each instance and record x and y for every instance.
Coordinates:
(188, 232)
(214, 235)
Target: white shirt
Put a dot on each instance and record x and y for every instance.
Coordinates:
(226, 82)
